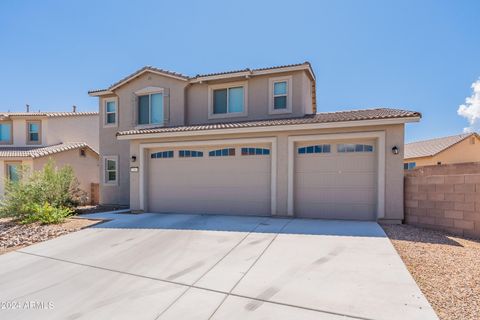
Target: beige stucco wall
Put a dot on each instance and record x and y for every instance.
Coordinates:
(461, 152)
(188, 104)
(85, 168)
(110, 146)
(394, 136)
(57, 130)
(19, 130)
(71, 129)
(258, 99)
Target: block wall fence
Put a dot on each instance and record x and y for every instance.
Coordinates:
(444, 197)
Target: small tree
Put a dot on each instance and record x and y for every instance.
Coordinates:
(51, 186)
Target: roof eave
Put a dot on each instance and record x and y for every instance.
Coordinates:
(273, 128)
(305, 66)
(99, 93)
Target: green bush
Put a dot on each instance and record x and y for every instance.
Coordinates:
(47, 214)
(56, 187)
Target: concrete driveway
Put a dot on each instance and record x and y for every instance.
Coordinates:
(168, 266)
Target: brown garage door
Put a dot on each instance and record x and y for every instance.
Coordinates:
(336, 180)
(212, 180)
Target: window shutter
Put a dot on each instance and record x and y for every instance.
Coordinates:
(134, 110)
(166, 106)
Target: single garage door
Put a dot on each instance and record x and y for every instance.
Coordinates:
(211, 180)
(336, 180)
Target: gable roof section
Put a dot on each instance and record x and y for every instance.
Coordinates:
(38, 152)
(253, 72)
(327, 117)
(428, 148)
(205, 77)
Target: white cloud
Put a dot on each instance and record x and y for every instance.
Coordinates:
(471, 108)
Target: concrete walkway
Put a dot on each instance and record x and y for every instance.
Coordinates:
(168, 266)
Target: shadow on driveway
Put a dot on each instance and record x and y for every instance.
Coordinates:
(256, 224)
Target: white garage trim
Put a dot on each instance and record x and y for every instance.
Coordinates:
(379, 135)
(273, 156)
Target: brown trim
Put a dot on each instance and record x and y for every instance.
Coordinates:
(27, 129)
(11, 132)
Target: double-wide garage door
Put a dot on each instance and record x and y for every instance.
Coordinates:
(331, 179)
(219, 180)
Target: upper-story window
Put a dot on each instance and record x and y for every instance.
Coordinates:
(228, 100)
(280, 95)
(33, 132)
(150, 109)
(110, 112)
(6, 133)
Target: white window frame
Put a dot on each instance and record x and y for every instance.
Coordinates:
(227, 86)
(271, 95)
(105, 101)
(28, 123)
(148, 91)
(104, 179)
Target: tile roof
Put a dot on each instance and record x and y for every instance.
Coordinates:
(253, 70)
(432, 147)
(46, 114)
(184, 77)
(38, 152)
(354, 115)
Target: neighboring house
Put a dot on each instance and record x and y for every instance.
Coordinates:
(454, 149)
(31, 138)
(247, 142)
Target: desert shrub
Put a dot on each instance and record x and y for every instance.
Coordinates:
(58, 187)
(47, 214)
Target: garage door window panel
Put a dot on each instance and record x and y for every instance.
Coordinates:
(190, 154)
(345, 148)
(322, 148)
(162, 154)
(222, 152)
(254, 151)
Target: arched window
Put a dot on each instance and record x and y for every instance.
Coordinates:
(255, 151)
(162, 154)
(222, 152)
(320, 148)
(190, 154)
(354, 148)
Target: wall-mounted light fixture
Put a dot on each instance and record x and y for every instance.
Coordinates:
(134, 158)
(395, 150)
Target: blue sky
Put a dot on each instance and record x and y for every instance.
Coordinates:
(419, 55)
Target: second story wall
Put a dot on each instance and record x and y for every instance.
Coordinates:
(258, 98)
(19, 131)
(72, 129)
(52, 130)
(126, 98)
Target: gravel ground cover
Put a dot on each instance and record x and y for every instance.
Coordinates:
(14, 236)
(445, 267)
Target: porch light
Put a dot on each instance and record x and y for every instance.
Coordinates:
(134, 158)
(395, 150)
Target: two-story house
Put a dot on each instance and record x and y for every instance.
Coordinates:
(31, 138)
(247, 142)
